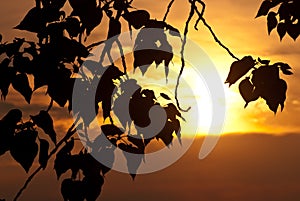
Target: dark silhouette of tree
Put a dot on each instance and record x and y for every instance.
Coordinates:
(57, 56)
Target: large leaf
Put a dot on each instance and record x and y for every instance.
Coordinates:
(44, 121)
(21, 84)
(24, 149)
(264, 8)
(137, 18)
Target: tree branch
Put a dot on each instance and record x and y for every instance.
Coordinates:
(210, 29)
(71, 131)
(168, 10)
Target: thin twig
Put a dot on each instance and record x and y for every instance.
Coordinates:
(168, 10)
(211, 31)
(71, 131)
(122, 55)
(186, 30)
(94, 44)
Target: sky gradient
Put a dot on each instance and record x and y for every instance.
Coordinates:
(256, 159)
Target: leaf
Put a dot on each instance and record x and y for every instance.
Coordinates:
(272, 21)
(285, 68)
(137, 18)
(32, 21)
(239, 69)
(276, 97)
(105, 89)
(43, 155)
(7, 74)
(21, 84)
(24, 148)
(0, 38)
(165, 96)
(247, 91)
(293, 30)
(7, 129)
(72, 25)
(281, 30)
(92, 186)
(72, 190)
(110, 129)
(45, 122)
(265, 75)
(265, 62)
(62, 162)
(264, 8)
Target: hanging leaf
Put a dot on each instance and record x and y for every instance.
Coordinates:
(72, 190)
(281, 30)
(32, 21)
(43, 155)
(106, 88)
(165, 96)
(7, 75)
(293, 30)
(92, 186)
(72, 25)
(285, 68)
(21, 84)
(265, 62)
(264, 8)
(62, 162)
(247, 91)
(7, 129)
(272, 21)
(24, 148)
(239, 69)
(45, 122)
(137, 18)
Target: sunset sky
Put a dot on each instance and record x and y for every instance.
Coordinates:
(252, 167)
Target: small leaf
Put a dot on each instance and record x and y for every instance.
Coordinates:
(43, 155)
(21, 84)
(281, 29)
(165, 96)
(239, 68)
(293, 30)
(272, 21)
(264, 8)
(45, 122)
(265, 62)
(247, 91)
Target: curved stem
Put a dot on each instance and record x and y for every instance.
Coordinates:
(168, 10)
(186, 30)
(211, 30)
(71, 131)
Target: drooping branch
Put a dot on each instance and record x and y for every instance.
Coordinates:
(168, 9)
(186, 30)
(200, 17)
(71, 131)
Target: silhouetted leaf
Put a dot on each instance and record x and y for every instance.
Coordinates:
(276, 97)
(110, 129)
(285, 68)
(105, 89)
(7, 129)
(21, 84)
(14, 47)
(265, 62)
(62, 162)
(32, 21)
(281, 29)
(22, 64)
(272, 21)
(72, 190)
(7, 75)
(293, 30)
(43, 155)
(165, 96)
(45, 122)
(247, 91)
(239, 69)
(137, 18)
(92, 187)
(72, 25)
(264, 8)
(24, 148)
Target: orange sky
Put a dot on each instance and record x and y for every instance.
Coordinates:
(241, 167)
(234, 23)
